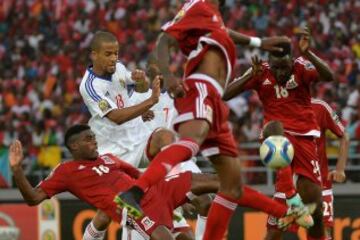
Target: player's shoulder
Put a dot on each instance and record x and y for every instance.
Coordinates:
(302, 62)
(322, 108)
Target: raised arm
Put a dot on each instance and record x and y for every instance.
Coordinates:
(325, 73)
(164, 44)
(267, 44)
(32, 196)
(338, 175)
(237, 86)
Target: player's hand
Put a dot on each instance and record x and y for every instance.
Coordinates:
(256, 66)
(338, 176)
(138, 75)
(156, 89)
(304, 42)
(270, 43)
(175, 87)
(141, 82)
(15, 154)
(148, 116)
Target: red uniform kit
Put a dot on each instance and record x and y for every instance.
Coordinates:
(197, 27)
(98, 182)
(291, 105)
(327, 120)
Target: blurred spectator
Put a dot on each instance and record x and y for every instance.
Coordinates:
(44, 52)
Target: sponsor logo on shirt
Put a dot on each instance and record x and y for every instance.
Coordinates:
(291, 83)
(147, 223)
(103, 105)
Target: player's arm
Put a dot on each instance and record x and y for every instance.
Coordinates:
(122, 115)
(268, 43)
(238, 85)
(338, 175)
(164, 44)
(32, 196)
(142, 84)
(325, 73)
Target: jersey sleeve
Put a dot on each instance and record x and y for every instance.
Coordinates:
(308, 70)
(95, 97)
(56, 181)
(333, 122)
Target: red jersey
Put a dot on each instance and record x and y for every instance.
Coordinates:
(95, 182)
(327, 120)
(198, 25)
(291, 102)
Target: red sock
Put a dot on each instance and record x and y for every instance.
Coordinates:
(254, 199)
(313, 238)
(219, 217)
(165, 160)
(284, 182)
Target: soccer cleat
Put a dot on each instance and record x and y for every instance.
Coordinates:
(299, 215)
(128, 201)
(305, 219)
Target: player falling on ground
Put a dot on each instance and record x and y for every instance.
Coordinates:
(199, 32)
(283, 86)
(96, 179)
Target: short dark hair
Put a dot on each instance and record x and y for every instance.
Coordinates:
(99, 37)
(74, 130)
(286, 50)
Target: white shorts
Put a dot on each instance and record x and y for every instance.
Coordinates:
(134, 155)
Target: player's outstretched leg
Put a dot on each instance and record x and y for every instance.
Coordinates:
(192, 134)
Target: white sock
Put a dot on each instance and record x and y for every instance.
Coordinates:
(91, 233)
(200, 227)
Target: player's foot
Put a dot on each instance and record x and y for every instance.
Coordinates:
(300, 215)
(130, 200)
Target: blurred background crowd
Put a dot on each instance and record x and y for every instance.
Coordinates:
(44, 53)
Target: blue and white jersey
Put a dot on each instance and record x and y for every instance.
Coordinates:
(102, 95)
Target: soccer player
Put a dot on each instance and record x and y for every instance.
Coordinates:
(96, 179)
(283, 86)
(328, 121)
(115, 121)
(199, 32)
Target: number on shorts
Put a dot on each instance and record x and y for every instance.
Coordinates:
(101, 170)
(328, 208)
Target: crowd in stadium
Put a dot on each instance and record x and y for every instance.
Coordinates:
(44, 53)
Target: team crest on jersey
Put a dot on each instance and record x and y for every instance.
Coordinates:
(147, 223)
(104, 105)
(272, 221)
(107, 160)
(122, 82)
(291, 83)
(309, 66)
(179, 16)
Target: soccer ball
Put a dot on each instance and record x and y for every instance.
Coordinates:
(276, 152)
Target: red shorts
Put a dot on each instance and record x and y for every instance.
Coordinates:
(306, 160)
(328, 207)
(203, 101)
(160, 201)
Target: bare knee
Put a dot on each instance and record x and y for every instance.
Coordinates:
(159, 139)
(161, 233)
(197, 130)
(273, 128)
(101, 221)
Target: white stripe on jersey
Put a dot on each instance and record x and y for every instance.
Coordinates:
(330, 111)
